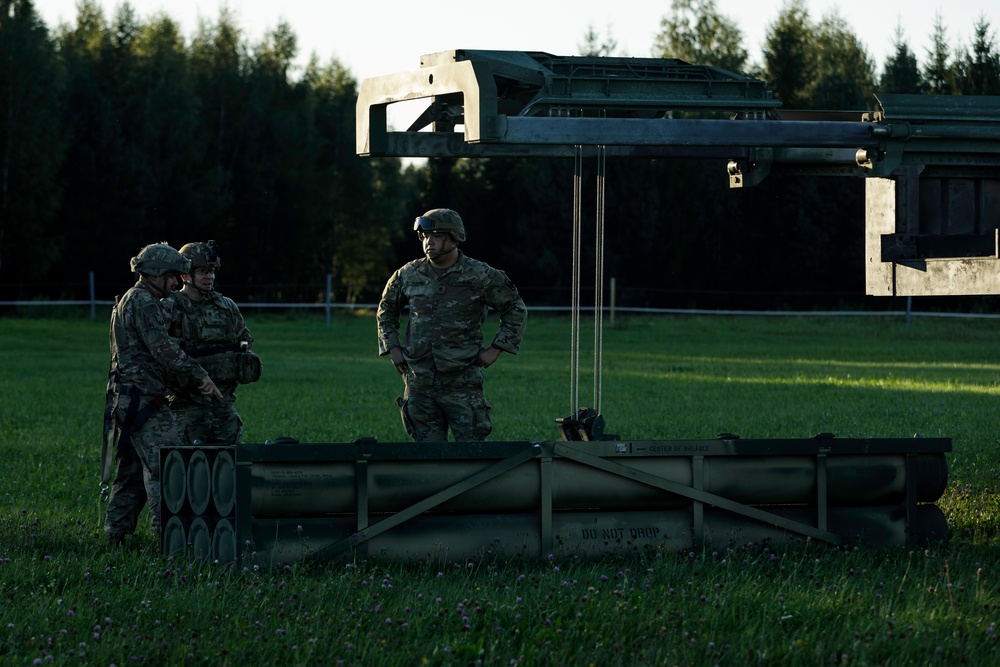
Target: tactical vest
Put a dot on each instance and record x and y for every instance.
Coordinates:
(208, 333)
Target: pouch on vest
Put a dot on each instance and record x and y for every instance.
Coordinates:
(249, 367)
(224, 367)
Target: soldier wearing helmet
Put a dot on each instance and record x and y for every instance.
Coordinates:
(441, 356)
(212, 330)
(137, 419)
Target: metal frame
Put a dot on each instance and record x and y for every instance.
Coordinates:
(531, 104)
(465, 87)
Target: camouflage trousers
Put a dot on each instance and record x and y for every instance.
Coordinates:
(218, 423)
(137, 474)
(433, 402)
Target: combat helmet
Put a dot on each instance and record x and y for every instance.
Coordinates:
(442, 220)
(202, 254)
(157, 259)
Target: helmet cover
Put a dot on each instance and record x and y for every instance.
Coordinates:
(157, 259)
(443, 221)
(202, 254)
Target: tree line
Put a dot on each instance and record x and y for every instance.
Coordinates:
(118, 131)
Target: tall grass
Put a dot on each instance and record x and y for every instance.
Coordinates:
(65, 598)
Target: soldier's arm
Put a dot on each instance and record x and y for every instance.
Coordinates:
(242, 332)
(152, 329)
(505, 299)
(173, 314)
(387, 317)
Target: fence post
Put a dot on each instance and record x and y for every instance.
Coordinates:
(909, 310)
(612, 319)
(329, 296)
(93, 302)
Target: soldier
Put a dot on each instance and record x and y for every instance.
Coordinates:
(441, 361)
(137, 420)
(212, 330)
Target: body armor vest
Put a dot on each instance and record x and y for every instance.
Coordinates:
(208, 333)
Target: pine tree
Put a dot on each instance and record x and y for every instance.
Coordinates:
(938, 72)
(901, 73)
(789, 64)
(844, 72)
(32, 143)
(596, 46)
(980, 70)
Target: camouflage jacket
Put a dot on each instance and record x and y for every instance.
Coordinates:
(211, 331)
(142, 351)
(447, 312)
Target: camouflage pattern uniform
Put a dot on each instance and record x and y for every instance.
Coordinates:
(141, 353)
(444, 386)
(213, 332)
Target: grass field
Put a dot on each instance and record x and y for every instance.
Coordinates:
(67, 599)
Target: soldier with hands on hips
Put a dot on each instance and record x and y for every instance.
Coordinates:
(441, 357)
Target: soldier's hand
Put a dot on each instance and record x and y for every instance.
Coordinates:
(488, 357)
(208, 388)
(398, 360)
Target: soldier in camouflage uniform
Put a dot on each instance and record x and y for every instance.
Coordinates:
(137, 420)
(212, 330)
(441, 361)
